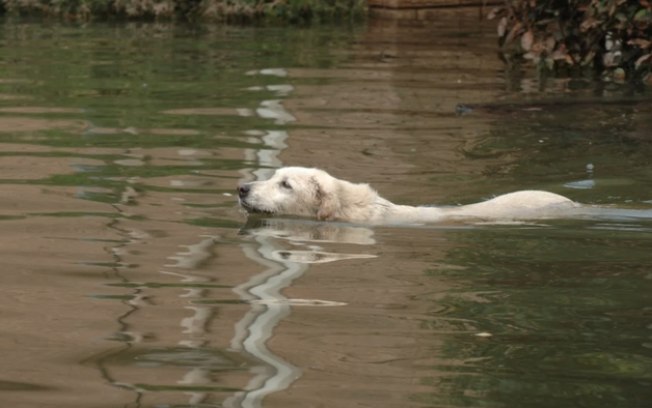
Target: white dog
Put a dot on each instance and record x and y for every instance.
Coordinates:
(314, 193)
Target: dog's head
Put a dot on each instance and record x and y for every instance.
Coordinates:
(304, 192)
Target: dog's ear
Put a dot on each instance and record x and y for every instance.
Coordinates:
(328, 203)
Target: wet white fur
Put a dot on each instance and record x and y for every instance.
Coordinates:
(314, 193)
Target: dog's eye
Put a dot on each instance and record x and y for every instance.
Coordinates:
(285, 184)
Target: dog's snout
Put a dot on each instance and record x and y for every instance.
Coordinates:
(243, 190)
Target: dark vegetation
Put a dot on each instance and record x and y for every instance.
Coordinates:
(609, 38)
(236, 11)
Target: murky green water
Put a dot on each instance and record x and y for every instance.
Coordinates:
(131, 279)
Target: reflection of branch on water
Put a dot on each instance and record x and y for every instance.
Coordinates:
(283, 265)
(256, 327)
(124, 335)
(193, 354)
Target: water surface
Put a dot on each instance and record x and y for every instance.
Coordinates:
(131, 279)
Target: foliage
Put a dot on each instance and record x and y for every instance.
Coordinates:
(614, 37)
(293, 11)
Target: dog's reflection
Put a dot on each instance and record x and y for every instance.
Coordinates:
(301, 241)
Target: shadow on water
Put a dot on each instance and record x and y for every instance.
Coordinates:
(132, 280)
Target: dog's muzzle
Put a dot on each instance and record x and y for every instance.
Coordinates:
(243, 190)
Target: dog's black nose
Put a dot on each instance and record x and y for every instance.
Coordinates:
(243, 190)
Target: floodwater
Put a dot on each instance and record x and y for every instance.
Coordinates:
(131, 279)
